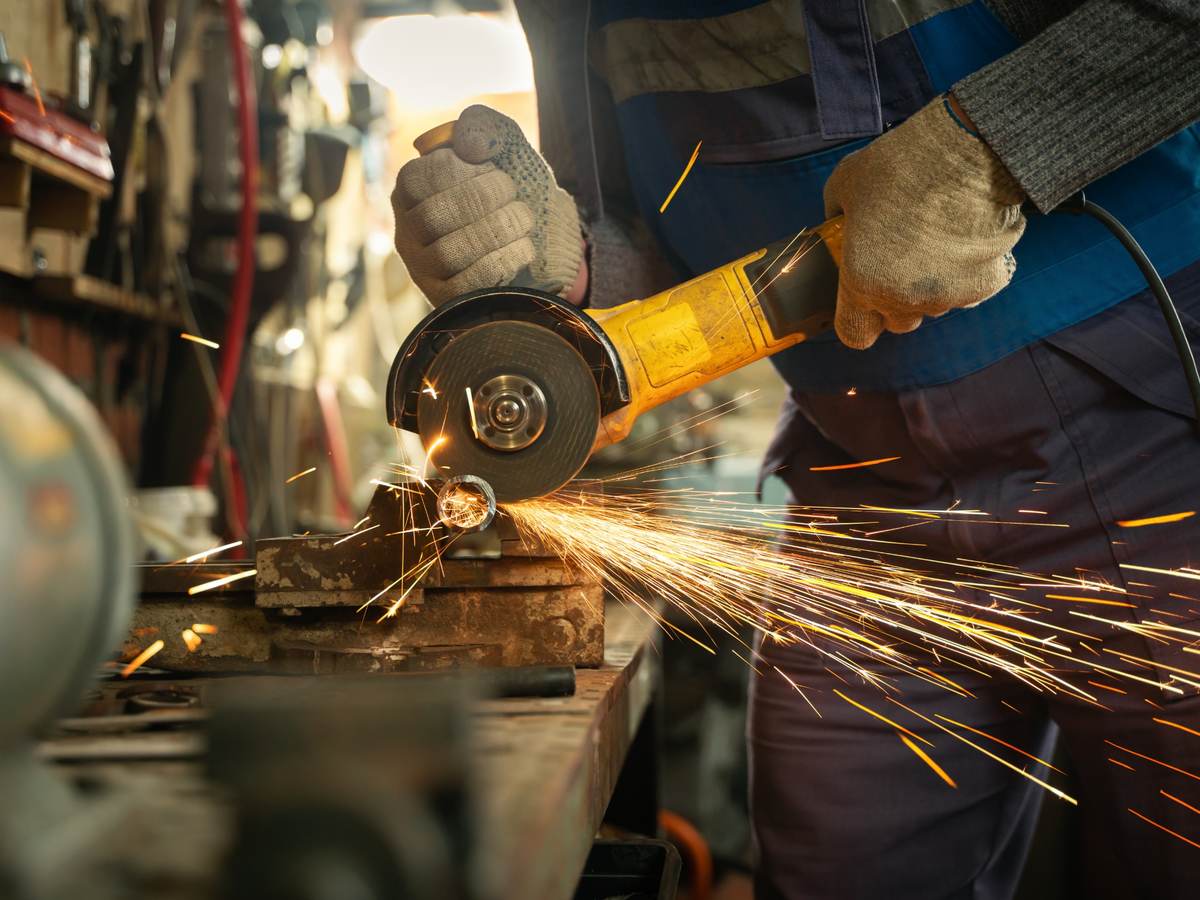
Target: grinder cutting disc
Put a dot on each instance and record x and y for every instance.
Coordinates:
(533, 414)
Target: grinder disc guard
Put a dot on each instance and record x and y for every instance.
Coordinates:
(550, 395)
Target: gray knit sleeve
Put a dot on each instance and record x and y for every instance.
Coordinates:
(1092, 91)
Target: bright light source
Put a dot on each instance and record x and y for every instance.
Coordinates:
(289, 342)
(272, 56)
(431, 62)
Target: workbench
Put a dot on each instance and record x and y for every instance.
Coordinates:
(544, 771)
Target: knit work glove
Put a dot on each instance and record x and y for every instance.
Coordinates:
(931, 217)
(474, 216)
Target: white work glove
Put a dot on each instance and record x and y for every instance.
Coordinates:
(474, 216)
(931, 217)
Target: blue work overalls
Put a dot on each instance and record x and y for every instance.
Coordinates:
(1061, 395)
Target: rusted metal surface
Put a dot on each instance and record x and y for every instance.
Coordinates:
(441, 628)
(303, 613)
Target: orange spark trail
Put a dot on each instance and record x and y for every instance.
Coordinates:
(928, 760)
(857, 465)
(140, 660)
(1165, 828)
(1180, 802)
(1090, 600)
(199, 340)
(203, 628)
(992, 737)
(1156, 520)
(1177, 725)
(307, 471)
(192, 639)
(37, 94)
(355, 534)
(211, 551)
(221, 582)
(883, 718)
(1153, 760)
(1117, 762)
(686, 171)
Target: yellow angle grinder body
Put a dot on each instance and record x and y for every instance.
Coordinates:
(517, 387)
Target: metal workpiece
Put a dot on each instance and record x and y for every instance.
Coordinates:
(317, 603)
(466, 503)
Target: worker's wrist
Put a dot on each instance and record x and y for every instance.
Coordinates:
(578, 290)
(954, 108)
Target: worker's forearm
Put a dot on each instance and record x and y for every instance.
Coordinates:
(1091, 92)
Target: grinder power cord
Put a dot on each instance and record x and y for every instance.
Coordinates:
(518, 387)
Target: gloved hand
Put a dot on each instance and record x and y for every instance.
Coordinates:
(931, 217)
(473, 216)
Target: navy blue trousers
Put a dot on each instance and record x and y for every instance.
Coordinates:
(841, 808)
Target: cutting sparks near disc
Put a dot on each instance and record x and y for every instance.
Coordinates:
(211, 551)
(300, 475)
(140, 660)
(196, 339)
(682, 178)
(221, 582)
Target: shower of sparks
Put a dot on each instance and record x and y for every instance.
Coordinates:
(429, 389)
(853, 599)
(857, 465)
(1175, 834)
(873, 608)
(192, 639)
(682, 178)
(204, 628)
(140, 660)
(211, 551)
(1156, 520)
(221, 582)
(300, 475)
(928, 760)
(196, 339)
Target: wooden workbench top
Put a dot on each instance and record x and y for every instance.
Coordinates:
(544, 769)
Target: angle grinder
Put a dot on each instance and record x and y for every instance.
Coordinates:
(517, 387)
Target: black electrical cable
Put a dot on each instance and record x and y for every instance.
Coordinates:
(1080, 205)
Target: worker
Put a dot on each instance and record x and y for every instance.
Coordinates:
(1012, 361)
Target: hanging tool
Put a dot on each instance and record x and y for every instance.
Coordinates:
(518, 387)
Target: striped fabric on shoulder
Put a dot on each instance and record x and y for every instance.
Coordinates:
(753, 47)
